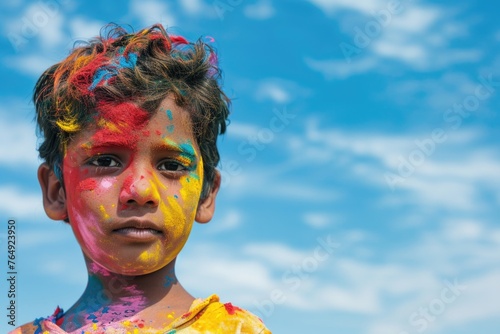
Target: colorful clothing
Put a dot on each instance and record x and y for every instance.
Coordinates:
(204, 316)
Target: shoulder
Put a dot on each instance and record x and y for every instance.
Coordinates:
(216, 317)
(41, 325)
(28, 328)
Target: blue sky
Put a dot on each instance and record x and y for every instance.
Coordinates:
(361, 167)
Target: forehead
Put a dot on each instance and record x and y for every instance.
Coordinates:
(125, 124)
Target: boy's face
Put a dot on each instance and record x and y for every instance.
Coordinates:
(132, 186)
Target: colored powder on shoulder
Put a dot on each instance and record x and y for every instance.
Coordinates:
(231, 309)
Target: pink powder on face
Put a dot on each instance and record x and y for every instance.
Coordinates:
(97, 269)
(87, 184)
(106, 184)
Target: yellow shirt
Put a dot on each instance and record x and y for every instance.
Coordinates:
(204, 316)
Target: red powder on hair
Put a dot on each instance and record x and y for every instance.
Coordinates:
(82, 78)
(178, 39)
(88, 184)
(166, 43)
(231, 309)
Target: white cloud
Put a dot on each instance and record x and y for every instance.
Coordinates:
(364, 6)
(35, 238)
(52, 34)
(231, 220)
(437, 93)
(248, 183)
(16, 203)
(277, 254)
(273, 92)
(482, 292)
(83, 28)
(261, 10)
(279, 91)
(417, 36)
(223, 272)
(33, 64)
(153, 11)
(441, 259)
(343, 68)
(453, 166)
(462, 229)
(199, 8)
(318, 219)
(241, 130)
(18, 143)
(39, 21)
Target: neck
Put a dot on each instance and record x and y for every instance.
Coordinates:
(111, 297)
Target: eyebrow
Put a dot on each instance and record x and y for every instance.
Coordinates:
(94, 144)
(184, 149)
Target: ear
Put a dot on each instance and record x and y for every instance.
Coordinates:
(206, 208)
(54, 197)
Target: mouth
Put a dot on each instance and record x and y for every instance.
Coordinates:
(138, 230)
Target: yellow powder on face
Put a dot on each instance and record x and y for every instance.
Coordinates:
(103, 212)
(174, 220)
(151, 256)
(108, 125)
(157, 182)
(191, 187)
(86, 146)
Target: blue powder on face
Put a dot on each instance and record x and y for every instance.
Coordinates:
(169, 114)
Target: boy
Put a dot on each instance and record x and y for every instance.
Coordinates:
(130, 123)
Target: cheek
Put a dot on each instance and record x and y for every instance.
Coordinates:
(89, 200)
(180, 205)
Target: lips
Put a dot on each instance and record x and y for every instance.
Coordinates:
(137, 229)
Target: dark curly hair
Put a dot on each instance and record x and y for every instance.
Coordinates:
(144, 67)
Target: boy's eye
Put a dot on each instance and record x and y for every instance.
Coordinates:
(104, 161)
(171, 166)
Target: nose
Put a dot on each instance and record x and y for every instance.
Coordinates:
(138, 189)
